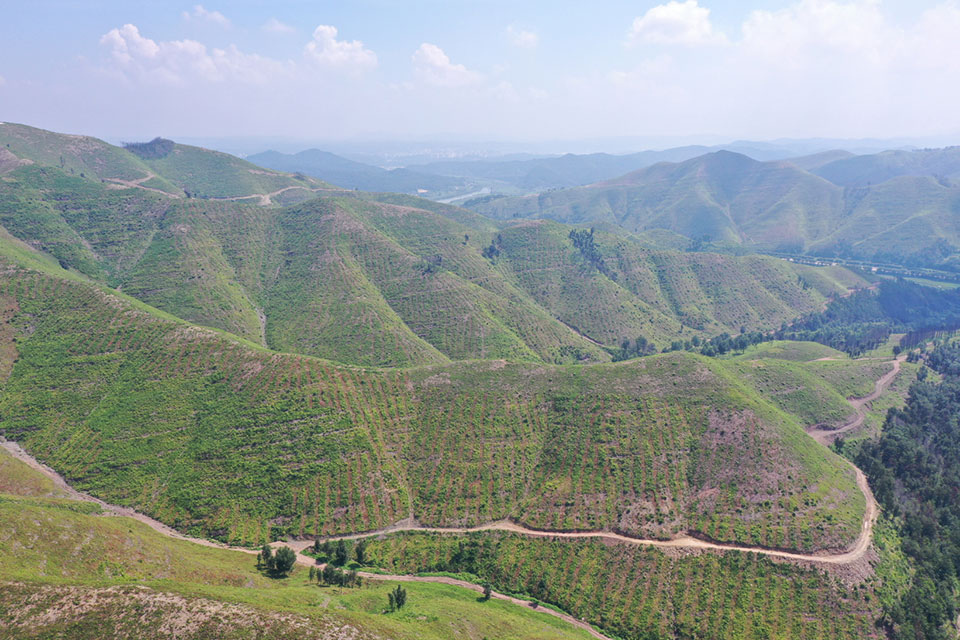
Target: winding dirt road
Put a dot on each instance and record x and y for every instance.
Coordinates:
(822, 436)
(826, 436)
(264, 199)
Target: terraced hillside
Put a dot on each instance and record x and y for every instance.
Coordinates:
(729, 199)
(379, 281)
(218, 438)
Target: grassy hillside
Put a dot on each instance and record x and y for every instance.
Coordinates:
(379, 281)
(203, 173)
(81, 156)
(220, 439)
(159, 166)
(728, 199)
(67, 572)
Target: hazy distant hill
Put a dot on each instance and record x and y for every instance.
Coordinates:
(865, 170)
(572, 170)
(354, 175)
(729, 199)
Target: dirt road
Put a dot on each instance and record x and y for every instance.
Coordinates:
(826, 436)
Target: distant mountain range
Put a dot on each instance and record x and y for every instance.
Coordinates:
(897, 206)
(356, 175)
(511, 175)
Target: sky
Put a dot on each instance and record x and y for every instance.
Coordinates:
(519, 70)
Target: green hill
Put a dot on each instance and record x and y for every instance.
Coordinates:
(221, 439)
(202, 173)
(115, 578)
(159, 165)
(378, 280)
(725, 198)
(356, 175)
(81, 156)
(369, 359)
(865, 170)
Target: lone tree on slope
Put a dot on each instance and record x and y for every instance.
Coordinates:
(397, 598)
(284, 560)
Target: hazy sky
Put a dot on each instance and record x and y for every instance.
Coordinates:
(482, 69)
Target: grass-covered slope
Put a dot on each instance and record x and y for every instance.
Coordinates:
(66, 571)
(158, 166)
(82, 156)
(221, 439)
(211, 174)
(349, 174)
(861, 171)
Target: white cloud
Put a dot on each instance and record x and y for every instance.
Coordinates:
(203, 15)
(434, 67)
(820, 29)
(3, 81)
(326, 50)
(176, 62)
(275, 26)
(683, 23)
(523, 38)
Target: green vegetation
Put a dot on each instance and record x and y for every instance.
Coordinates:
(374, 358)
(864, 321)
(397, 598)
(725, 199)
(243, 445)
(78, 156)
(377, 284)
(642, 593)
(913, 470)
(65, 572)
(202, 173)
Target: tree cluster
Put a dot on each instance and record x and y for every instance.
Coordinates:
(914, 471)
(153, 150)
(492, 251)
(279, 563)
(335, 577)
(583, 241)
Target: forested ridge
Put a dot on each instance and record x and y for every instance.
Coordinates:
(914, 470)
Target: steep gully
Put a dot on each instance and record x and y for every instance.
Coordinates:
(821, 435)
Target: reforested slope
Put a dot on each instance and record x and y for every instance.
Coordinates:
(217, 438)
(114, 578)
(376, 280)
